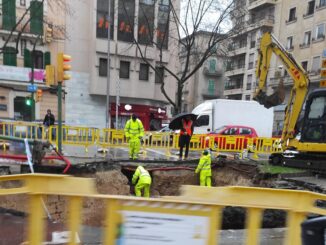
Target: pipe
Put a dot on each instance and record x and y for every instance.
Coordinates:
(24, 158)
(162, 169)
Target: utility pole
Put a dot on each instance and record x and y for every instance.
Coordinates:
(117, 104)
(108, 108)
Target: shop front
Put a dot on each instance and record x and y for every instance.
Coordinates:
(150, 116)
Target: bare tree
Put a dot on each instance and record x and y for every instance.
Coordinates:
(213, 17)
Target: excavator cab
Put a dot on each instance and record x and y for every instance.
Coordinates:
(314, 121)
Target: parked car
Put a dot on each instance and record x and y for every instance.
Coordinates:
(232, 130)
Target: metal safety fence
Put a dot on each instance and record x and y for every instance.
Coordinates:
(86, 137)
(195, 217)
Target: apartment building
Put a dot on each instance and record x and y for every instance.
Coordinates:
(255, 17)
(302, 32)
(208, 82)
(31, 35)
(133, 85)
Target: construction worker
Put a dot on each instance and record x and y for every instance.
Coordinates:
(204, 168)
(144, 181)
(134, 132)
(185, 136)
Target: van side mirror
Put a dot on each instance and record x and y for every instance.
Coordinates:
(208, 130)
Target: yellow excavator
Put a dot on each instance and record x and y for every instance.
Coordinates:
(304, 143)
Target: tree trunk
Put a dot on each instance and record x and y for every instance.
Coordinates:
(178, 107)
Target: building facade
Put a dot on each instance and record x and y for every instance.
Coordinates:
(255, 17)
(32, 33)
(208, 82)
(132, 83)
(301, 29)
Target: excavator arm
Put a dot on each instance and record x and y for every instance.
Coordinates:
(268, 46)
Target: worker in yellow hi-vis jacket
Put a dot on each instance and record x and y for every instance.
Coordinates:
(134, 132)
(144, 181)
(204, 168)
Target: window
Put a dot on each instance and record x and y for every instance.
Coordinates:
(27, 58)
(10, 56)
(320, 31)
(22, 46)
(292, 16)
(126, 14)
(311, 7)
(124, 69)
(22, 2)
(143, 72)
(251, 61)
(212, 65)
(203, 120)
(36, 17)
(289, 43)
(159, 75)
(8, 14)
(102, 23)
(304, 65)
(322, 3)
(315, 64)
(103, 67)
(245, 131)
(248, 97)
(38, 59)
(47, 59)
(162, 31)
(211, 87)
(307, 38)
(146, 21)
(249, 82)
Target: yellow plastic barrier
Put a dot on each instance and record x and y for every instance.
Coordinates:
(197, 213)
(84, 136)
(22, 130)
(78, 136)
(266, 146)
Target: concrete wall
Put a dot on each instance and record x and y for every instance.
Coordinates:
(83, 108)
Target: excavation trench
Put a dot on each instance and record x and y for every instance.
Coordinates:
(167, 178)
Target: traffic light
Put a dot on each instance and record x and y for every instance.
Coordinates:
(63, 67)
(48, 37)
(39, 94)
(49, 75)
(28, 101)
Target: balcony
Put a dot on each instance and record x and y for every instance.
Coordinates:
(267, 21)
(212, 72)
(253, 4)
(210, 93)
(235, 70)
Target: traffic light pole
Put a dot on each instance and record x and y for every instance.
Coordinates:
(60, 116)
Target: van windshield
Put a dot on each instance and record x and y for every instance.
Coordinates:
(220, 129)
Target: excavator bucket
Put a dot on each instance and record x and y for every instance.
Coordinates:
(272, 100)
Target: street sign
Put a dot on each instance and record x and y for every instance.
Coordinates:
(31, 88)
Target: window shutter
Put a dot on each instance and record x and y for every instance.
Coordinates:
(10, 56)
(27, 58)
(37, 17)
(8, 14)
(47, 59)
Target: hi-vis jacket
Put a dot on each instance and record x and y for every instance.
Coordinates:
(134, 129)
(143, 175)
(204, 166)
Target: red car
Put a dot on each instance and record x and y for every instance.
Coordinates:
(233, 130)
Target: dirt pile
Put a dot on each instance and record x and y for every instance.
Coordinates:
(168, 183)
